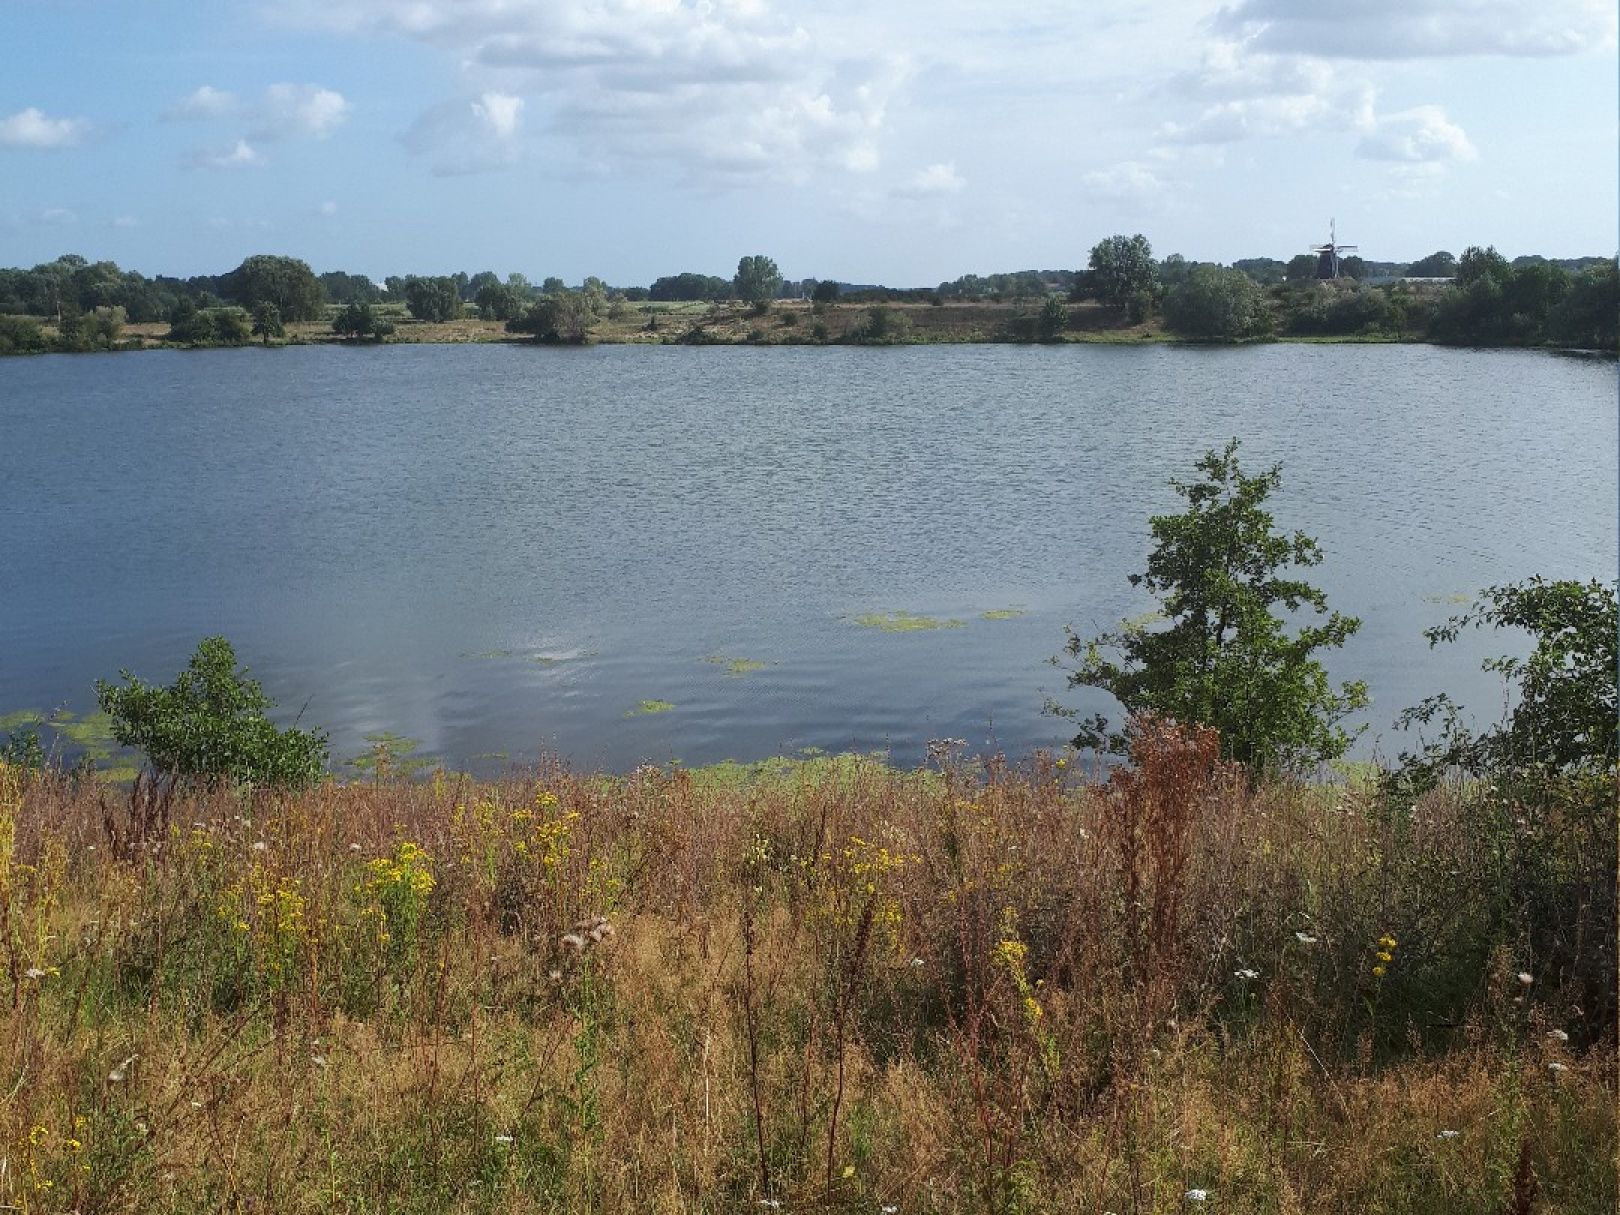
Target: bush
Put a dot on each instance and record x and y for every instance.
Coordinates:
(1224, 658)
(880, 326)
(1215, 302)
(210, 724)
(20, 335)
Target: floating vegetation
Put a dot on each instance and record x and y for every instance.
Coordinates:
(1142, 623)
(1453, 600)
(650, 706)
(1003, 614)
(93, 732)
(736, 666)
(391, 753)
(810, 766)
(118, 774)
(19, 719)
(903, 622)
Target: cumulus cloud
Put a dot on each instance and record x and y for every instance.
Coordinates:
(728, 90)
(240, 155)
(202, 103)
(1248, 94)
(936, 179)
(468, 136)
(1423, 135)
(33, 128)
(1404, 29)
(299, 109)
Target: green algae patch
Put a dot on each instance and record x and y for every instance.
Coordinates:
(647, 707)
(810, 767)
(1141, 624)
(736, 666)
(1453, 600)
(1003, 614)
(391, 753)
(19, 719)
(904, 622)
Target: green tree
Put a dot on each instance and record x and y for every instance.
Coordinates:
(1223, 657)
(286, 282)
(825, 292)
(1442, 264)
(1589, 314)
(433, 299)
(1054, 318)
(498, 302)
(1123, 272)
(267, 322)
(757, 279)
(1301, 268)
(563, 319)
(1564, 693)
(210, 724)
(360, 322)
(1216, 302)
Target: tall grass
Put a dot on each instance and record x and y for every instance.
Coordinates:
(838, 986)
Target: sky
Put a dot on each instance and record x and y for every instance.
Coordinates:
(905, 142)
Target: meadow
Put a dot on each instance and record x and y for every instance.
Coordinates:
(817, 985)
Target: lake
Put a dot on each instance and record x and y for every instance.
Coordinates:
(503, 551)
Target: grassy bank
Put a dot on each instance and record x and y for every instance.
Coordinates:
(830, 986)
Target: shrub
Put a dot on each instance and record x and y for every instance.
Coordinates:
(1224, 658)
(210, 724)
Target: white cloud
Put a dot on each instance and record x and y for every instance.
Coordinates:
(240, 155)
(202, 103)
(57, 215)
(299, 109)
(1405, 29)
(1128, 181)
(32, 128)
(935, 179)
(124, 221)
(1423, 135)
(468, 136)
(1245, 94)
(730, 91)
(327, 208)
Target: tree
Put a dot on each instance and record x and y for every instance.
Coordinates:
(563, 319)
(825, 292)
(1054, 318)
(1301, 268)
(757, 279)
(267, 322)
(358, 321)
(498, 302)
(433, 299)
(1589, 315)
(1564, 714)
(1441, 264)
(286, 282)
(1123, 273)
(1478, 265)
(1216, 302)
(210, 724)
(1223, 657)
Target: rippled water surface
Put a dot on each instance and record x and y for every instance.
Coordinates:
(501, 551)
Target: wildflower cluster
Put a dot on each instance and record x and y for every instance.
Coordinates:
(1011, 956)
(267, 912)
(394, 893)
(544, 833)
(868, 866)
(1385, 956)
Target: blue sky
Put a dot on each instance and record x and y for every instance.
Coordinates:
(906, 142)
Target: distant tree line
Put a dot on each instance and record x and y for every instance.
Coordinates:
(1481, 299)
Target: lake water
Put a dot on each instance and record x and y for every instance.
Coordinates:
(502, 551)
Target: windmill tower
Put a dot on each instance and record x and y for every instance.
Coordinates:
(1327, 256)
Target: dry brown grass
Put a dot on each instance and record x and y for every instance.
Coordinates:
(847, 988)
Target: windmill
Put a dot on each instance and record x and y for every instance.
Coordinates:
(1327, 256)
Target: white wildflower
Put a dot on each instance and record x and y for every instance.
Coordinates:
(574, 941)
(260, 846)
(34, 972)
(1524, 977)
(1558, 1035)
(1304, 938)
(1448, 1134)
(503, 1139)
(1555, 1068)
(1247, 974)
(916, 963)
(1197, 1195)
